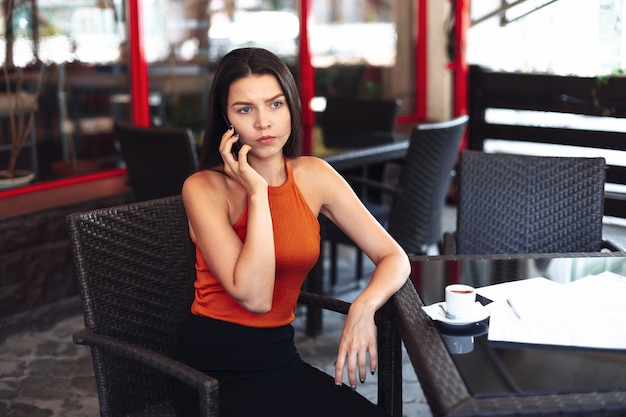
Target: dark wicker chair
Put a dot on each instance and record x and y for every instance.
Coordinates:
(528, 204)
(350, 122)
(134, 265)
(414, 216)
(357, 123)
(158, 159)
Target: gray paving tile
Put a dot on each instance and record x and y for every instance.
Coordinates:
(45, 374)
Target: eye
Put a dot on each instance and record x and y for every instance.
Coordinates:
(276, 104)
(244, 110)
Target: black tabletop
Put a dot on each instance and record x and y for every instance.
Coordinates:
(492, 373)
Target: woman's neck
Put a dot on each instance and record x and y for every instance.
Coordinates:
(273, 171)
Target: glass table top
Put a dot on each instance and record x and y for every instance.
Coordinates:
(490, 369)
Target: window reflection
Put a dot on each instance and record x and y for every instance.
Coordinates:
(83, 44)
(90, 26)
(275, 30)
(66, 31)
(353, 32)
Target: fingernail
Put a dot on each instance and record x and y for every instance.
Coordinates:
(236, 135)
(337, 384)
(363, 381)
(353, 388)
(230, 127)
(372, 372)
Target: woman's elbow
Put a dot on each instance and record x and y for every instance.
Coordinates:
(403, 264)
(257, 306)
(406, 264)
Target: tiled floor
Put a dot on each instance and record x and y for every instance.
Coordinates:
(46, 375)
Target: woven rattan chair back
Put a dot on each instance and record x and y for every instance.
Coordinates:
(529, 204)
(135, 275)
(414, 217)
(416, 211)
(350, 122)
(158, 159)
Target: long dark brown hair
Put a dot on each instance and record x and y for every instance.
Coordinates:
(235, 65)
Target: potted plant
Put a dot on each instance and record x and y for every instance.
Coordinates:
(19, 107)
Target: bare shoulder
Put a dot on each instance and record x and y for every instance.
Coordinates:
(210, 187)
(206, 180)
(318, 181)
(211, 191)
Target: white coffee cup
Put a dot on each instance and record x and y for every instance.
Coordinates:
(460, 300)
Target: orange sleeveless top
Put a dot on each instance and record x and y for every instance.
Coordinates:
(297, 248)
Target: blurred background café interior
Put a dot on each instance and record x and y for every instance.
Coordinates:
(92, 62)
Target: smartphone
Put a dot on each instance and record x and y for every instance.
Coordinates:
(237, 145)
(236, 148)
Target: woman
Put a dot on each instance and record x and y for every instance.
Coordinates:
(252, 212)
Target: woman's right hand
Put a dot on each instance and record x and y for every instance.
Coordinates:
(246, 269)
(237, 167)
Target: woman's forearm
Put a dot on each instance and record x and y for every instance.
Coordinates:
(255, 269)
(387, 278)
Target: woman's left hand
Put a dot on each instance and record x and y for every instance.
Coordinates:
(358, 340)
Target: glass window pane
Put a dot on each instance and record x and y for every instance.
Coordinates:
(584, 38)
(349, 32)
(88, 31)
(354, 47)
(201, 29)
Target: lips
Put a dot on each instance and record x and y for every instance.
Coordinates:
(264, 140)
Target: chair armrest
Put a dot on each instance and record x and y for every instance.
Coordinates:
(323, 301)
(338, 306)
(206, 386)
(438, 376)
(449, 243)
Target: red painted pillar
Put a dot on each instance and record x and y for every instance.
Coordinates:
(138, 69)
(461, 70)
(307, 79)
(421, 58)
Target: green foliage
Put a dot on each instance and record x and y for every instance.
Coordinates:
(603, 81)
(187, 115)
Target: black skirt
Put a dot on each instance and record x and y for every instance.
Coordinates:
(261, 374)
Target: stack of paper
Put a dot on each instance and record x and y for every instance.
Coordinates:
(589, 313)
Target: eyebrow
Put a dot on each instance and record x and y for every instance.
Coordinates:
(245, 103)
